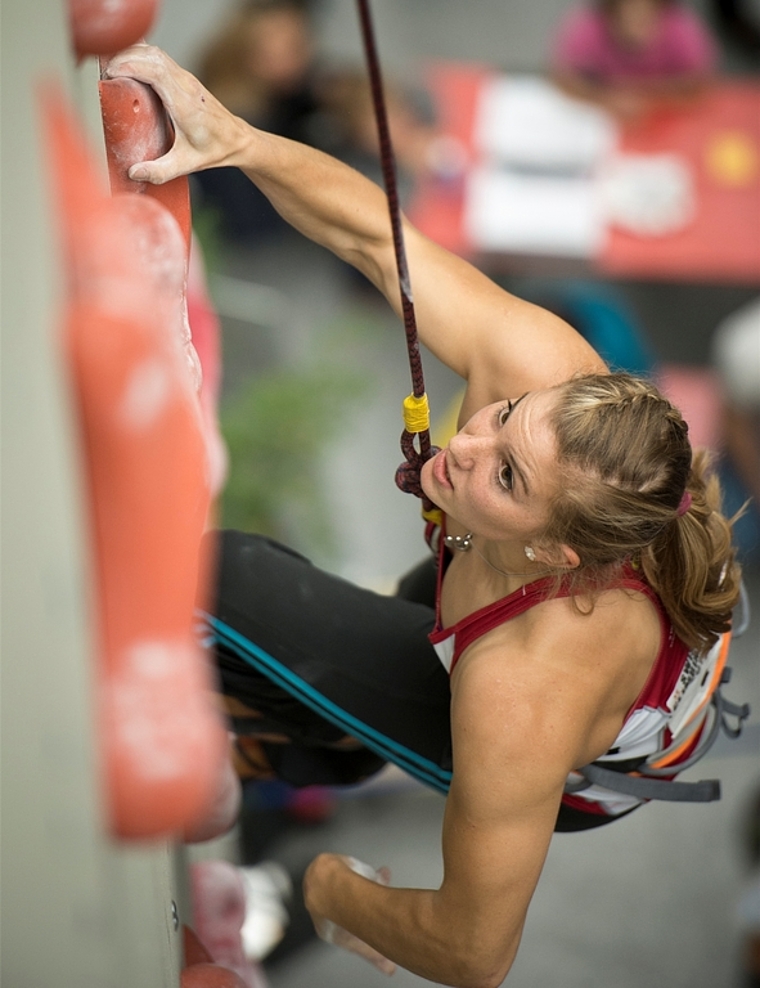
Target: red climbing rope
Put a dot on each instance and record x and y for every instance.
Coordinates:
(416, 415)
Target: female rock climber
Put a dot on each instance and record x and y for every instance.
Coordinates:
(584, 568)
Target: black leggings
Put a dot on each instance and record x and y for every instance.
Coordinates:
(321, 659)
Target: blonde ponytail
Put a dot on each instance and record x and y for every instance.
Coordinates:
(632, 492)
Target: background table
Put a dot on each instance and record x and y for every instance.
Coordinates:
(719, 137)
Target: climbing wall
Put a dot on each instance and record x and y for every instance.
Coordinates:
(111, 748)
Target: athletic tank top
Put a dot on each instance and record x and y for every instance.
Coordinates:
(645, 729)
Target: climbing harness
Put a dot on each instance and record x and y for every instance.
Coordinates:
(698, 716)
(416, 408)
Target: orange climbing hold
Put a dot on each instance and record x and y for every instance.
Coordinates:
(163, 746)
(136, 128)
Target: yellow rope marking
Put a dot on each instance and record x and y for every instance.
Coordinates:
(434, 514)
(416, 413)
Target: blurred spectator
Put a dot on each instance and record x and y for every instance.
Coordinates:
(351, 129)
(261, 66)
(629, 55)
(736, 354)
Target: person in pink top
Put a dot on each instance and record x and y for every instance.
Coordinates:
(628, 54)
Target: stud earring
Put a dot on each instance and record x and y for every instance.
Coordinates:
(530, 553)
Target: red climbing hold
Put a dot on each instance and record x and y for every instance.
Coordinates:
(103, 27)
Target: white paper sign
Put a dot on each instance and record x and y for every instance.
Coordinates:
(527, 122)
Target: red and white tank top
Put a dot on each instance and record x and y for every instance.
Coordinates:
(646, 728)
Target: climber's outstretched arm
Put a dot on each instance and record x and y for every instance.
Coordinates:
(500, 344)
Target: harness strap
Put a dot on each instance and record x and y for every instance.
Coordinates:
(644, 788)
(722, 708)
(649, 785)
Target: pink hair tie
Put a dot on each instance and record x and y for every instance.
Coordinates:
(684, 504)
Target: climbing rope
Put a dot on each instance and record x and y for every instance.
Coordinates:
(416, 409)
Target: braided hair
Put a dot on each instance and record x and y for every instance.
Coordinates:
(634, 492)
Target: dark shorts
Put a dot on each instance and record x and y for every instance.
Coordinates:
(321, 659)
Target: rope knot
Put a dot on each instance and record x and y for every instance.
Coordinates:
(408, 474)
